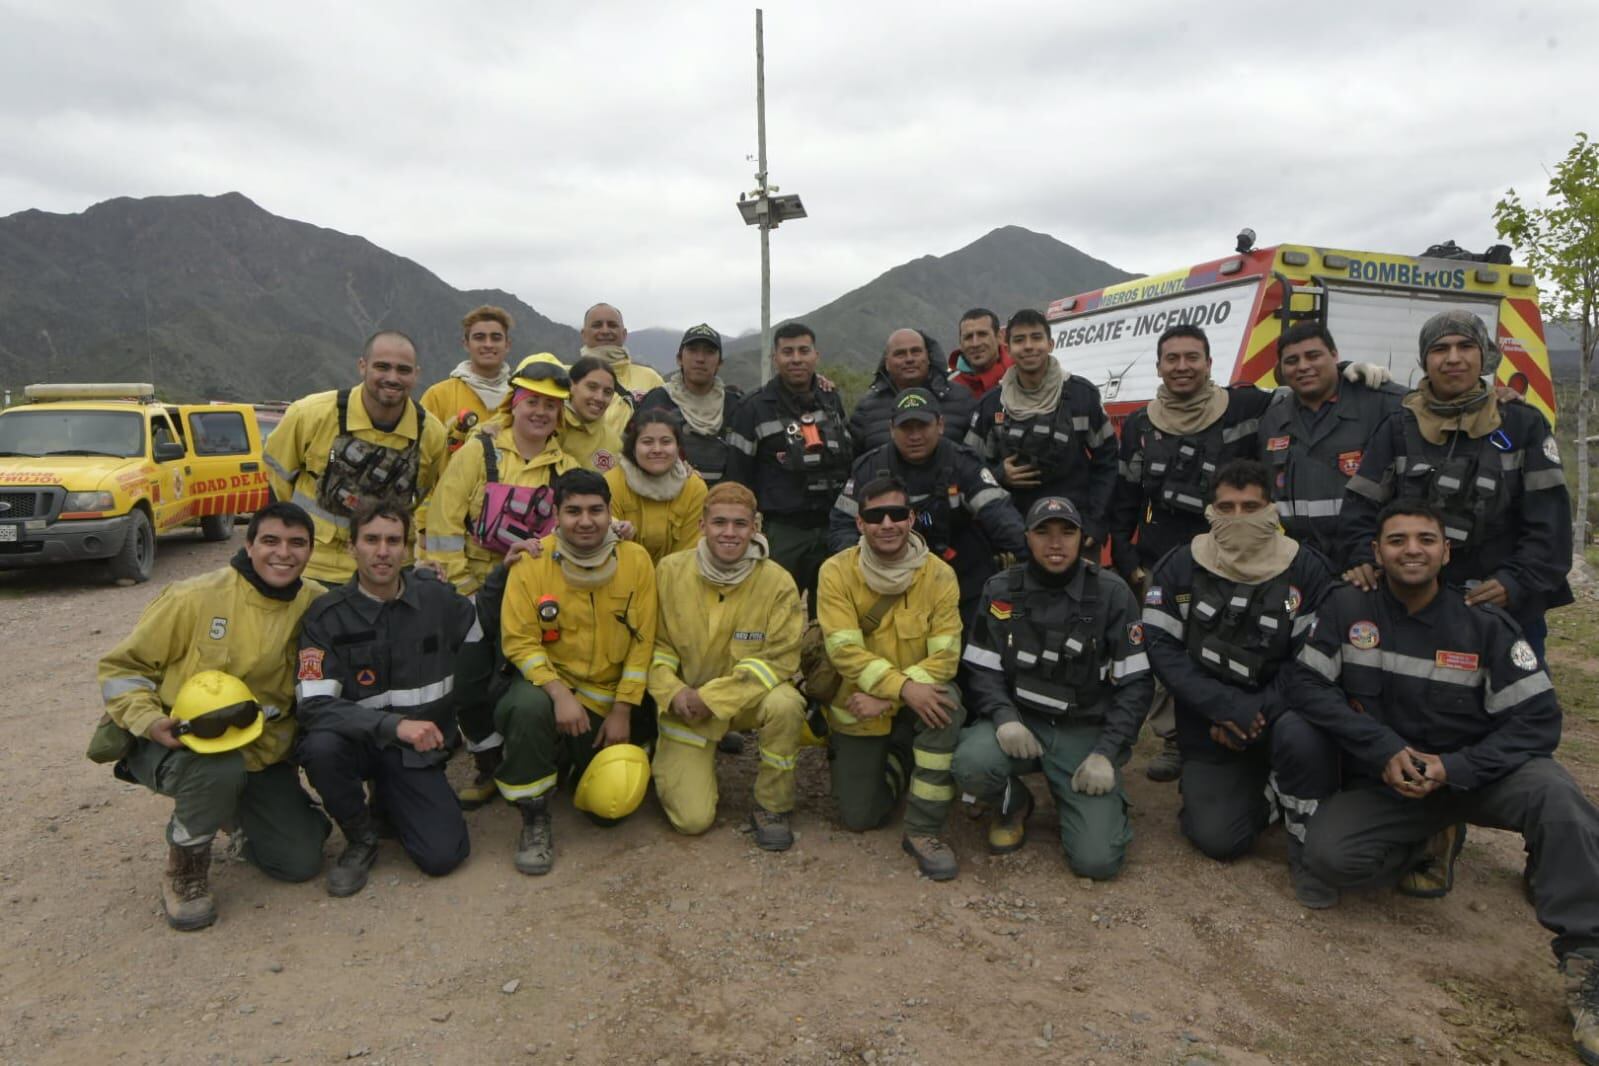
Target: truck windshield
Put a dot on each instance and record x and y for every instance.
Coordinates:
(58, 432)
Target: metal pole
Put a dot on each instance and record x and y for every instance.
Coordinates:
(765, 205)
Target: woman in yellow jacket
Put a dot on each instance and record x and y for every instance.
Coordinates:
(655, 496)
(475, 518)
(592, 425)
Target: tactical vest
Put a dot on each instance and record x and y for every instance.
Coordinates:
(706, 454)
(1240, 633)
(1057, 666)
(359, 470)
(510, 512)
(1469, 489)
(1048, 442)
(816, 444)
(1178, 470)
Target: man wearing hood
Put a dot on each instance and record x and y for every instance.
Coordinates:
(908, 364)
(891, 612)
(605, 337)
(982, 359)
(1492, 469)
(1222, 618)
(1057, 676)
(1044, 431)
(702, 399)
(480, 382)
(727, 643)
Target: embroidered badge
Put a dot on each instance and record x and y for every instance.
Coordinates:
(1523, 656)
(999, 609)
(1295, 598)
(988, 478)
(1154, 597)
(1135, 634)
(1455, 660)
(1363, 635)
(311, 664)
(1277, 444)
(603, 460)
(1349, 462)
(1551, 450)
(366, 677)
(749, 634)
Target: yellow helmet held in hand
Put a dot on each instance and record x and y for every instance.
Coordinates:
(614, 784)
(216, 712)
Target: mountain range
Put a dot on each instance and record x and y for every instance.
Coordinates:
(215, 297)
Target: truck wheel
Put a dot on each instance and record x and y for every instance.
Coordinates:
(216, 527)
(133, 564)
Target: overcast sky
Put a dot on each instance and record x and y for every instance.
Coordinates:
(586, 151)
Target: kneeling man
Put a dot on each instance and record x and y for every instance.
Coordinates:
(1056, 672)
(891, 612)
(727, 643)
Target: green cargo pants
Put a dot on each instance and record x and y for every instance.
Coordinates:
(535, 751)
(869, 773)
(1094, 830)
(283, 829)
(801, 550)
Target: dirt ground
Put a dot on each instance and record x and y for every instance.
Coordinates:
(646, 947)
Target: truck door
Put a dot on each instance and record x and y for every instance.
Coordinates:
(228, 478)
(168, 479)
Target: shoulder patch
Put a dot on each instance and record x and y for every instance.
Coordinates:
(311, 664)
(1155, 597)
(988, 478)
(1551, 450)
(1522, 656)
(1135, 634)
(1349, 462)
(1364, 635)
(1000, 609)
(1295, 598)
(1277, 444)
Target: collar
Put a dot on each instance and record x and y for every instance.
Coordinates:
(357, 417)
(369, 607)
(246, 569)
(1399, 610)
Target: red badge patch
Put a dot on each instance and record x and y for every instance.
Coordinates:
(1135, 634)
(311, 664)
(366, 677)
(1277, 444)
(1455, 660)
(1349, 462)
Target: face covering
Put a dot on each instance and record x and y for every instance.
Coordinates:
(1246, 548)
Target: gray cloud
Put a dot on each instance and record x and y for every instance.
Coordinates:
(568, 151)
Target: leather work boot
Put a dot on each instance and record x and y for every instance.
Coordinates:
(1008, 831)
(771, 830)
(1310, 890)
(1434, 875)
(186, 887)
(1582, 999)
(535, 848)
(481, 789)
(732, 743)
(349, 872)
(1167, 765)
(934, 858)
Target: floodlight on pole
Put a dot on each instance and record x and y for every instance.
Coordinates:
(761, 208)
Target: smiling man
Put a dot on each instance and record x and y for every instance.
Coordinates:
(702, 399)
(604, 337)
(334, 451)
(233, 770)
(982, 359)
(375, 681)
(906, 364)
(1447, 718)
(1315, 433)
(480, 382)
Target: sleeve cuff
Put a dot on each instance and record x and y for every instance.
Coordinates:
(1458, 772)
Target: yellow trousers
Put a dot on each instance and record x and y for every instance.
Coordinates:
(684, 766)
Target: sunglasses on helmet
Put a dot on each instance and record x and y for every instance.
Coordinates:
(212, 724)
(894, 512)
(550, 372)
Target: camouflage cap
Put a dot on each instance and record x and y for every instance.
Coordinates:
(1464, 324)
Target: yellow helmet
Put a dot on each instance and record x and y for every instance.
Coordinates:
(614, 784)
(542, 373)
(216, 712)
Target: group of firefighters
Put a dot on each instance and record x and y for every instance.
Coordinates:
(1328, 600)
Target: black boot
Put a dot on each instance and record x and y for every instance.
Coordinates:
(349, 873)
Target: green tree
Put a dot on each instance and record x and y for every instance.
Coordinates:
(1560, 242)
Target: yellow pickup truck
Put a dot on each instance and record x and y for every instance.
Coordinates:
(98, 471)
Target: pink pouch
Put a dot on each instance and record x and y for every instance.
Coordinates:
(512, 513)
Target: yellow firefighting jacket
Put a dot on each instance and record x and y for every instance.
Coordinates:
(636, 379)
(732, 644)
(216, 621)
(457, 502)
(596, 445)
(919, 638)
(661, 527)
(599, 641)
(445, 400)
(297, 452)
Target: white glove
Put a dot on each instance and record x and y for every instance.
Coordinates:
(1368, 374)
(1017, 741)
(1095, 777)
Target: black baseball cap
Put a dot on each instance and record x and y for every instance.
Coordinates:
(916, 405)
(1053, 507)
(703, 333)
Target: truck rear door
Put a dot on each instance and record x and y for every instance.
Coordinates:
(1381, 325)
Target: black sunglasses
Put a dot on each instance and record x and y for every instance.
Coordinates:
(894, 512)
(212, 724)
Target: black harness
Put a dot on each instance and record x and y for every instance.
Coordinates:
(1240, 633)
(1063, 655)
